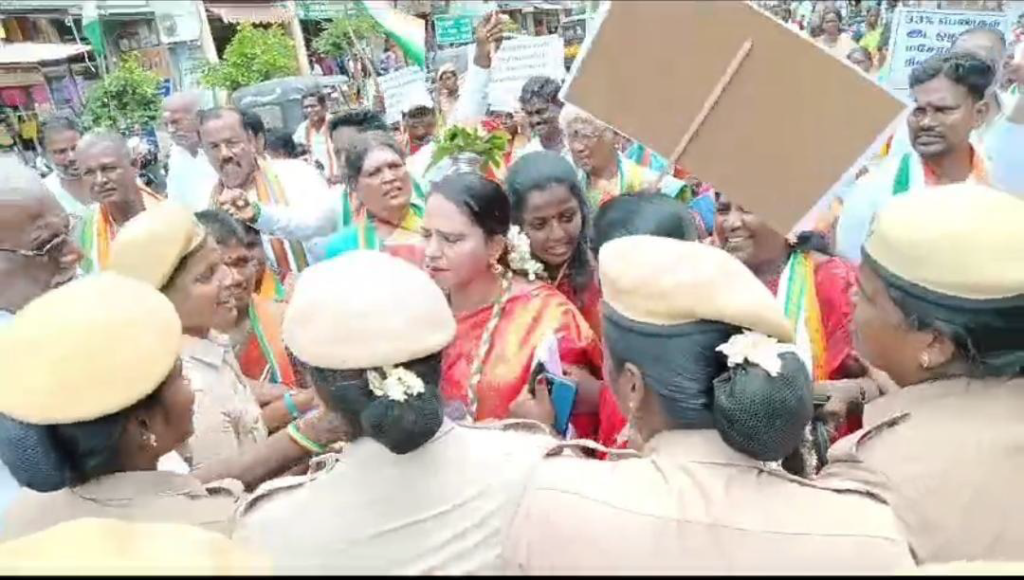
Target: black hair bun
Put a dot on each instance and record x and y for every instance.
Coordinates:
(403, 426)
(760, 415)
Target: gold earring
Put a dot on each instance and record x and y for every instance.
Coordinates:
(925, 360)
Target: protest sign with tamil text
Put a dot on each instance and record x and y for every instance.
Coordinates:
(918, 33)
(402, 89)
(517, 60)
(735, 97)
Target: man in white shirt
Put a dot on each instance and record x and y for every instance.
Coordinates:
(190, 176)
(542, 106)
(950, 104)
(37, 253)
(314, 134)
(60, 135)
(285, 199)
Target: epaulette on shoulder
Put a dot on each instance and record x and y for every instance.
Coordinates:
(578, 446)
(520, 425)
(228, 487)
(317, 467)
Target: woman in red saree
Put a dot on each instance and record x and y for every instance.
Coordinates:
(504, 319)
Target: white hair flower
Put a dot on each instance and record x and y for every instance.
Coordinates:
(756, 348)
(520, 258)
(398, 384)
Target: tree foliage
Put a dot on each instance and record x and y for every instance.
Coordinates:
(336, 40)
(253, 56)
(128, 96)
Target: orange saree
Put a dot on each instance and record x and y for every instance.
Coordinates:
(528, 318)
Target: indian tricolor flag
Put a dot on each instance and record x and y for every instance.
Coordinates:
(408, 32)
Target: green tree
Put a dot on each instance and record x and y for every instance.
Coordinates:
(253, 56)
(336, 40)
(128, 96)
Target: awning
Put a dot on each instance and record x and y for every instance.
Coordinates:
(33, 52)
(20, 76)
(257, 12)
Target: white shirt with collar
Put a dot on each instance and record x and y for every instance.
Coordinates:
(1000, 141)
(190, 180)
(69, 202)
(320, 148)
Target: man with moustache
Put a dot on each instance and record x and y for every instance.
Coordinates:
(190, 176)
(60, 135)
(287, 200)
(37, 253)
(950, 103)
(107, 171)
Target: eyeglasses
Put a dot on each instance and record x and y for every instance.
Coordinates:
(53, 246)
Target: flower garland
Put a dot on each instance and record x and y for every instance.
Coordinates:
(398, 384)
(520, 257)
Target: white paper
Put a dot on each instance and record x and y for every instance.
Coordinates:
(547, 353)
(402, 88)
(919, 33)
(517, 60)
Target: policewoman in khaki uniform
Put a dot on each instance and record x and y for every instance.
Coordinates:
(941, 310)
(168, 249)
(412, 493)
(92, 397)
(700, 359)
(106, 547)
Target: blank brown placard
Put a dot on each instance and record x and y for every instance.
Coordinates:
(790, 122)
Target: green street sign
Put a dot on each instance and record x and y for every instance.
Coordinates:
(453, 29)
(322, 9)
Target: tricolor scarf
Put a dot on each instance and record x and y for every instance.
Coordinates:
(367, 237)
(631, 178)
(910, 174)
(98, 232)
(798, 296)
(278, 367)
(287, 256)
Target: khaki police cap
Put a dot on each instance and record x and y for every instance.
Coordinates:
(663, 281)
(92, 347)
(152, 244)
(963, 240)
(366, 309)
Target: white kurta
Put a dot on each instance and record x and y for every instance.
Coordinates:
(190, 180)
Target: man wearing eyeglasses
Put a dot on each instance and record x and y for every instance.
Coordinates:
(113, 181)
(37, 253)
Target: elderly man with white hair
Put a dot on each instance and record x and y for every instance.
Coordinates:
(190, 176)
(605, 173)
(37, 253)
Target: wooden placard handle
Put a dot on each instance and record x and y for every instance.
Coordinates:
(709, 104)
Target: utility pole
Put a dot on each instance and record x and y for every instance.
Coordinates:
(295, 27)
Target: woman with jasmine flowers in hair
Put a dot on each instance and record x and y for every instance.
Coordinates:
(506, 314)
(716, 396)
(414, 493)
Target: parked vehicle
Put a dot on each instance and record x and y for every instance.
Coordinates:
(279, 101)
